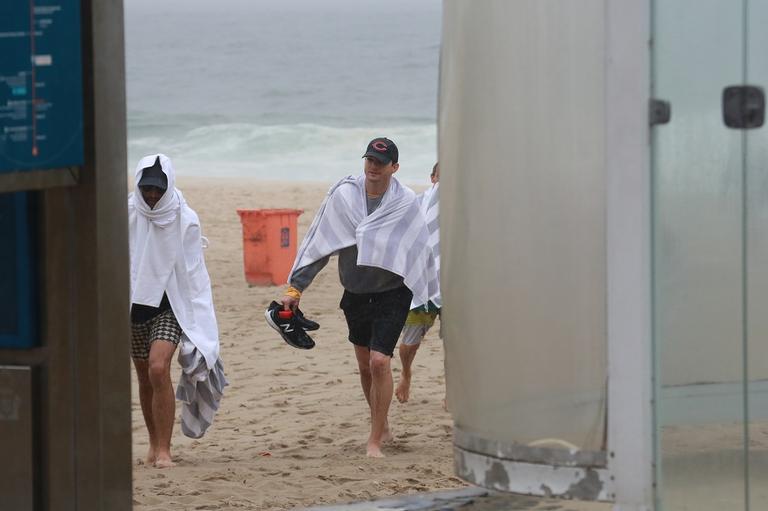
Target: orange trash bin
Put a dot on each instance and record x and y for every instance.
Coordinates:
(269, 244)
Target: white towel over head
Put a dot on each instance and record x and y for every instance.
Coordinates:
(166, 247)
(166, 252)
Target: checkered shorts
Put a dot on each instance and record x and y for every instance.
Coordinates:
(163, 327)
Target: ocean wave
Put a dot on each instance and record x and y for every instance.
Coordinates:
(302, 151)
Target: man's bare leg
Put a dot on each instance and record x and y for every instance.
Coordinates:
(407, 354)
(363, 356)
(145, 398)
(381, 397)
(163, 401)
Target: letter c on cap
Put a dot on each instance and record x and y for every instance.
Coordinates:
(380, 146)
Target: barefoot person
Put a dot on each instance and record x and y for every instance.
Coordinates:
(421, 319)
(170, 302)
(375, 226)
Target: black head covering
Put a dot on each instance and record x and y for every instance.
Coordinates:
(154, 176)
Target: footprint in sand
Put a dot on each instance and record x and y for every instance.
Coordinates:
(216, 477)
(339, 479)
(400, 446)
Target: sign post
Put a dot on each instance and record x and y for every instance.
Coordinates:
(41, 93)
(64, 331)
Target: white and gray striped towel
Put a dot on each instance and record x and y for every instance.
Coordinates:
(200, 390)
(394, 237)
(429, 201)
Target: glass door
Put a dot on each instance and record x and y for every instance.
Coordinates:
(701, 258)
(756, 161)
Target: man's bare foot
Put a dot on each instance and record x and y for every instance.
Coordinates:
(151, 458)
(374, 451)
(403, 389)
(387, 435)
(164, 462)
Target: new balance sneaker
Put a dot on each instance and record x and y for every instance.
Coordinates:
(285, 322)
(305, 323)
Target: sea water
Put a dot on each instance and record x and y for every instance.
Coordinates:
(282, 89)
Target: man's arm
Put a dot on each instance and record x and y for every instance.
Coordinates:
(300, 280)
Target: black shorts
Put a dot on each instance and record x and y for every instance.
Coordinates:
(376, 319)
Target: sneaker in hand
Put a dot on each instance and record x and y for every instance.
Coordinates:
(304, 322)
(286, 323)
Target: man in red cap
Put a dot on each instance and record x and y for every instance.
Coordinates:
(375, 226)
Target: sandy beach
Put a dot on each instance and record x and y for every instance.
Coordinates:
(292, 427)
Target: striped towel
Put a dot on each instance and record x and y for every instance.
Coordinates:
(200, 390)
(429, 201)
(394, 237)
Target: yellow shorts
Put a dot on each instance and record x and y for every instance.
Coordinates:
(417, 324)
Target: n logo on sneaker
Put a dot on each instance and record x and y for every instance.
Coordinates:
(287, 327)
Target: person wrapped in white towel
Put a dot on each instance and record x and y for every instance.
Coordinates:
(171, 302)
(375, 226)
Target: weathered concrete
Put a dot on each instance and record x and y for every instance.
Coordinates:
(466, 499)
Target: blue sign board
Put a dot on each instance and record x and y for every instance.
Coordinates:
(18, 282)
(41, 96)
